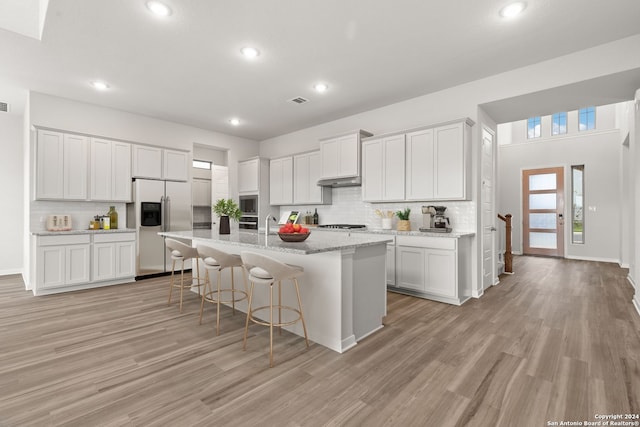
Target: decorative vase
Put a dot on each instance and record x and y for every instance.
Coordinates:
(404, 225)
(224, 225)
(386, 223)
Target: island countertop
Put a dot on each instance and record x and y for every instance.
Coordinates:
(315, 243)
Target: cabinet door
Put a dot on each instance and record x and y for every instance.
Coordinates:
(50, 266)
(147, 162)
(349, 155)
(75, 167)
(201, 192)
(101, 169)
(77, 264)
(317, 194)
(104, 261)
(420, 165)
(329, 152)
(301, 177)
(125, 259)
(391, 265)
(219, 183)
(393, 168)
(372, 170)
(440, 272)
(449, 162)
(281, 181)
(176, 165)
(410, 267)
(248, 176)
(49, 165)
(121, 171)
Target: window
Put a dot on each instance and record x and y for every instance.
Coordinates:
(202, 164)
(587, 118)
(559, 123)
(533, 127)
(577, 204)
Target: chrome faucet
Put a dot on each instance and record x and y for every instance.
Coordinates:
(266, 224)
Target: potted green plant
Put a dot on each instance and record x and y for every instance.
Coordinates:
(225, 209)
(403, 220)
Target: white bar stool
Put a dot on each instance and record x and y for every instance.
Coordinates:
(181, 252)
(267, 271)
(216, 260)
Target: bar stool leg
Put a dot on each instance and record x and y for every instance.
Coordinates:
(271, 325)
(181, 284)
(233, 294)
(197, 275)
(218, 303)
(246, 325)
(173, 269)
(279, 307)
(204, 293)
(304, 325)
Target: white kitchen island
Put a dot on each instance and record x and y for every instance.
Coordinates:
(343, 288)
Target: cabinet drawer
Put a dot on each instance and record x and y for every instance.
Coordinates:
(446, 243)
(114, 237)
(74, 239)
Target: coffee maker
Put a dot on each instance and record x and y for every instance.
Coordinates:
(434, 220)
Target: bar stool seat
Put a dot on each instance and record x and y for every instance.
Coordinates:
(181, 252)
(216, 261)
(268, 271)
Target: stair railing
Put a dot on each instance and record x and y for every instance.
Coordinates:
(508, 256)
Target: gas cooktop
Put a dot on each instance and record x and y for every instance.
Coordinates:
(344, 226)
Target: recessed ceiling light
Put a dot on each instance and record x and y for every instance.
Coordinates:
(513, 9)
(159, 8)
(99, 85)
(321, 87)
(234, 121)
(250, 52)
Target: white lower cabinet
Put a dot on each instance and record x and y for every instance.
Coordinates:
(391, 264)
(62, 261)
(68, 262)
(437, 268)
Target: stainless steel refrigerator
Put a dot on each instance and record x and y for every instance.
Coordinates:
(158, 206)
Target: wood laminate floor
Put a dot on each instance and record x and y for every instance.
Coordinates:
(557, 341)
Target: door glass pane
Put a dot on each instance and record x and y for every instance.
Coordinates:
(577, 204)
(542, 201)
(542, 220)
(543, 240)
(545, 181)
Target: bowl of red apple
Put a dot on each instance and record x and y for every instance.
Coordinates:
(293, 233)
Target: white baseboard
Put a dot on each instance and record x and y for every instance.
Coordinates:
(596, 259)
(476, 294)
(10, 271)
(635, 302)
(623, 265)
(630, 280)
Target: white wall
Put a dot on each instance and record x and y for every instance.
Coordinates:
(634, 226)
(599, 151)
(11, 191)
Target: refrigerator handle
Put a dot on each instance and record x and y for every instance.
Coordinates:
(163, 214)
(167, 208)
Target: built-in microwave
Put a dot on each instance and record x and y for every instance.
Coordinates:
(249, 205)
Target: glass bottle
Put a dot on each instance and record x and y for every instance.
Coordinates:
(316, 219)
(113, 218)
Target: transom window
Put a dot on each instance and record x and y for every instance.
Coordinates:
(534, 127)
(202, 164)
(587, 118)
(559, 123)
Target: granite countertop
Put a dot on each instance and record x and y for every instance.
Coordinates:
(453, 234)
(87, 231)
(317, 242)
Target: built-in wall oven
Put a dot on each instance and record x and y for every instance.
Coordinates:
(249, 209)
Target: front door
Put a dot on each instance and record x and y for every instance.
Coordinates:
(543, 211)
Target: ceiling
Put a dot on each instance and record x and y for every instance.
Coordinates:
(187, 67)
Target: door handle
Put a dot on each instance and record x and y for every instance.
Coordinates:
(493, 229)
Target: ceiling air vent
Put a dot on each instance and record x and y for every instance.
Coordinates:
(299, 100)
(4, 107)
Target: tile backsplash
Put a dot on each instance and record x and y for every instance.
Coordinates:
(348, 207)
(81, 213)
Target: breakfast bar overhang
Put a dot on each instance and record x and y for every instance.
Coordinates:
(343, 288)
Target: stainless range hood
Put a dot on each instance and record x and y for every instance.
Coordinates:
(353, 181)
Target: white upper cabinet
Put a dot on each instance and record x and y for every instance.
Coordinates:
(201, 189)
(306, 173)
(110, 170)
(340, 156)
(249, 176)
(281, 181)
(175, 165)
(219, 183)
(159, 163)
(437, 163)
(61, 166)
(383, 169)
